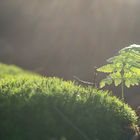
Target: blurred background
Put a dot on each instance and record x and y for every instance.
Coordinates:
(64, 38)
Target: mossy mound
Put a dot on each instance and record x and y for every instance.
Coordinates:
(37, 108)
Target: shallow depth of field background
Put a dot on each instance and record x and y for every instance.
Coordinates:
(65, 38)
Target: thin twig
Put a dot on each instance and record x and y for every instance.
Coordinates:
(83, 82)
(95, 77)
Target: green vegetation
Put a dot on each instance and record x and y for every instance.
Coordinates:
(123, 69)
(11, 70)
(38, 108)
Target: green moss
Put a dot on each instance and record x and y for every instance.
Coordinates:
(12, 70)
(33, 107)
